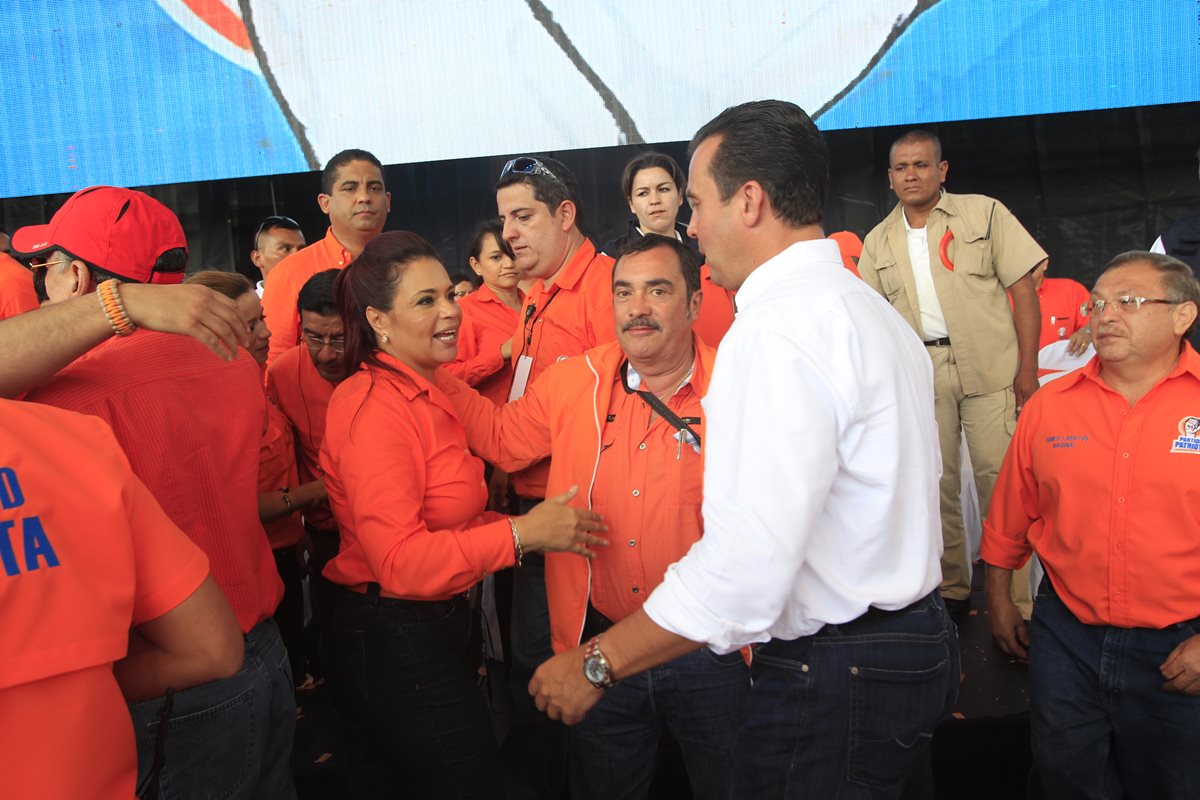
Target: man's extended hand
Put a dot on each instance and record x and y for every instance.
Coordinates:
(560, 689)
(197, 311)
(1009, 630)
(1182, 668)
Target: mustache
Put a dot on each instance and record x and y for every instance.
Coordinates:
(641, 322)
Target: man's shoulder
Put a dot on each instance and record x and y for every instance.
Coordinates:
(301, 265)
(288, 362)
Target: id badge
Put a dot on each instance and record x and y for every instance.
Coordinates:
(520, 377)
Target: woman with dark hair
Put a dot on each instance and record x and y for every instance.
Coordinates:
(654, 185)
(281, 497)
(409, 500)
(489, 316)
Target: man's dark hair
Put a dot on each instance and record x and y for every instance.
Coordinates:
(650, 161)
(329, 174)
(275, 221)
(1179, 282)
(316, 295)
(546, 190)
(689, 259)
(774, 143)
(917, 137)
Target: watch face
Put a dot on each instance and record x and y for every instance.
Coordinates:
(594, 670)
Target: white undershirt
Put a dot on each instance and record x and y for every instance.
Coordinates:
(933, 320)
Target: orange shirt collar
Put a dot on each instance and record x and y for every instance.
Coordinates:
(610, 357)
(576, 265)
(1189, 362)
(334, 252)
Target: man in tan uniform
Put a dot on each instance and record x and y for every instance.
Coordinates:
(944, 262)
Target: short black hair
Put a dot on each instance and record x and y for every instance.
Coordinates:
(776, 144)
(689, 259)
(316, 295)
(271, 223)
(493, 228)
(650, 161)
(329, 174)
(916, 137)
(545, 190)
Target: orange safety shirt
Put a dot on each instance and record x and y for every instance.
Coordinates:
(564, 319)
(191, 425)
(1060, 300)
(1108, 495)
(283, 286)
(277, 469)
(407, 493)
(487, 323)
(300, 392)
(629, 466)
(85, 553)
(17, 294)
(716, 310)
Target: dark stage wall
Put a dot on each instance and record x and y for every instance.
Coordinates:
(1088, 185)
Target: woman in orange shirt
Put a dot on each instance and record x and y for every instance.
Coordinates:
(409, 499)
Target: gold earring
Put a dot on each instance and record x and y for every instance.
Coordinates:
(384, 337)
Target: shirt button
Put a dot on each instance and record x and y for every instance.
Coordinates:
(467, 450)
(637, 493)
(635, 590)
(642, 446)
(1120, 499)
(483, 483)
(1124, 455)
(633, 542)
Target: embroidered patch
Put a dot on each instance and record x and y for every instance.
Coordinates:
(1189, 436)
(1065, 442)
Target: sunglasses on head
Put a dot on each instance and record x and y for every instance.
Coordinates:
(529, 166)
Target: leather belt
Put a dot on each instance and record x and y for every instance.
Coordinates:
(943, 342)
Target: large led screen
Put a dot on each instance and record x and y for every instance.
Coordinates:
(137, 92)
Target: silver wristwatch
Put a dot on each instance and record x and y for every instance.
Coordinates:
(596, 667)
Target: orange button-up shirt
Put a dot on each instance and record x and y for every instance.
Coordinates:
(277, 469)
(283, 286)
(17, 294)
(407, 493)
(295, 386)
(1108, 496)
(487, 323)
(716, 310)
(564, 319)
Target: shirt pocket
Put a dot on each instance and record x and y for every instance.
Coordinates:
(973, 269)
(892, 284)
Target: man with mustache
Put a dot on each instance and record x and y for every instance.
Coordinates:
(357, 202)
(1101, 482)
(624, 423)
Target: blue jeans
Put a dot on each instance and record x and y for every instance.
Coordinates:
(698, 696)
(230, 738)
(849, 712)
(1100, 722)
(401, 672)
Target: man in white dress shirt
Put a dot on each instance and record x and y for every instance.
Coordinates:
(822, 538)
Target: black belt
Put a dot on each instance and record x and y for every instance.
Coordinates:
(943, 342)
(873, 614)
(371, 597)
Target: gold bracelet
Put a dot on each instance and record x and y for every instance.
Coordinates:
(518, 551)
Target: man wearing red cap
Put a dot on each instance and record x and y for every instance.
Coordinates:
(191, 426)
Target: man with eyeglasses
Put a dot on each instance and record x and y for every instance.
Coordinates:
(191, 427)
(357, 202)
(945, 261)
(1102, 481)
(276, 238)
(567, 311)
(300, 383)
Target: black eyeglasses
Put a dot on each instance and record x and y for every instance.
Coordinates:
(530, 166)
(274, 221)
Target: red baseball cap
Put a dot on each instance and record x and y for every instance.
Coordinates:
(120, 231)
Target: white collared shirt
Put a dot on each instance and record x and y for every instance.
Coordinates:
(821, 465)
(933, 319)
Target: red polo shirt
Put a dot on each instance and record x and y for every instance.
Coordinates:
(573, 314)
(283, 286)
(1108, 496)
(487, 323)
(192, 426)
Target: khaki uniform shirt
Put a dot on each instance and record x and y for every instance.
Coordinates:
(990, 251)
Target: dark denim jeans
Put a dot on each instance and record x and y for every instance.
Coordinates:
(230, 738)
(699, 697)
(1100, 722)
(401, 671)
(850, 711)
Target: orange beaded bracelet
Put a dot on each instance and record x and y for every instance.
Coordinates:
(114, 309)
